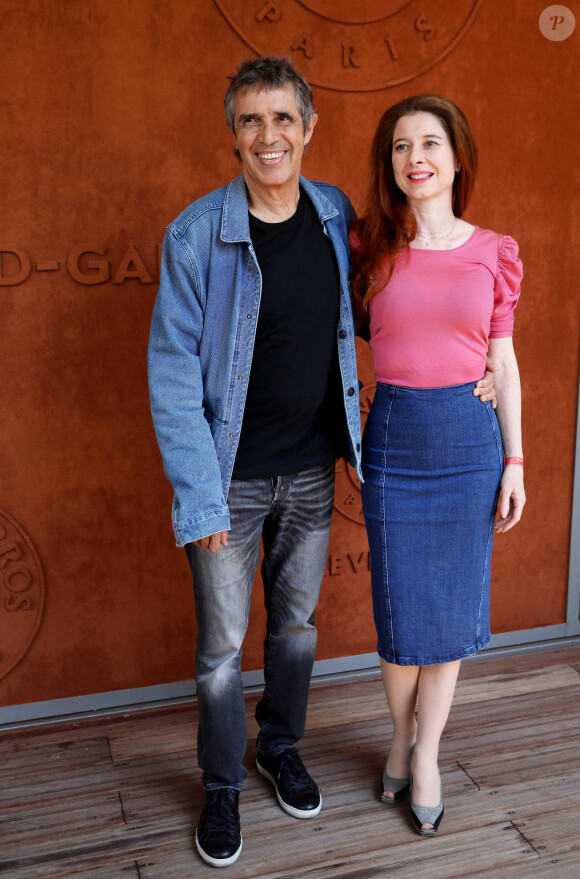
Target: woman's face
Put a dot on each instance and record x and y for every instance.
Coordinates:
(424, 163)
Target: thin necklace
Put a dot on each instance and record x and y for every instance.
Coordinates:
(433, 239)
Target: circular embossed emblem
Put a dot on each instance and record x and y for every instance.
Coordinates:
(347, 498)
(557, 23)
(22, 593)
(353, 45)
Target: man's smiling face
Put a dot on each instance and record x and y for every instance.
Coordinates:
(270, 137)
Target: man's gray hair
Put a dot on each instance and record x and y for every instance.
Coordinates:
(264, 74)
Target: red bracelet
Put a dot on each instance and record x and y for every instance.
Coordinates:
(514, 461)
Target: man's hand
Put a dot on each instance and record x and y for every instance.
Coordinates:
(485, 387)
(214, 542)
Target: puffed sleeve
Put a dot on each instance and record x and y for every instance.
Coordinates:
(506, 289)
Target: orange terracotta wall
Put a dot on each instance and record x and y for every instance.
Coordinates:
(112, 122)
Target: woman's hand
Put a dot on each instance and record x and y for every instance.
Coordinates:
(513, 497)
(485, 387)
(507, 382)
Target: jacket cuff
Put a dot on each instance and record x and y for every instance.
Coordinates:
(195, 529)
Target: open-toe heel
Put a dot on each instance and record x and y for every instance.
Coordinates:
(425, 814)
(398, 786)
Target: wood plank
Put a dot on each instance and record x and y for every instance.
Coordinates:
(173, 731)
(345, 709)
(50, 825)
(291, 855)
(118, 798)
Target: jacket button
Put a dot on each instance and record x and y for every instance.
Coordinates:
(248, 316)
(350, 392)
(230, 434)
(342, 334)
(239, 376)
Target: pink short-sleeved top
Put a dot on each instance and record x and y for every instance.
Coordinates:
(430, 325)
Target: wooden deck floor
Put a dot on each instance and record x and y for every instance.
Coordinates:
(119, 798)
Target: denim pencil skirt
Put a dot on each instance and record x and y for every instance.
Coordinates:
(432, 465)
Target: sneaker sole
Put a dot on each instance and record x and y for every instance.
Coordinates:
(217, 862)
(296, 813)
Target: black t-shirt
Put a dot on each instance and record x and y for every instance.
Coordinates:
(294, 413)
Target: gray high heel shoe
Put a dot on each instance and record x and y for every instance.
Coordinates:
(398, 786)
(425, 814)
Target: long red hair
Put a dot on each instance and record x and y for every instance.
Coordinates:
(388, 224)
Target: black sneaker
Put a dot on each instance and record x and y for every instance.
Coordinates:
(218, 837)
(297, 792)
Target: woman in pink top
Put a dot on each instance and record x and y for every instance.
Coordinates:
(438, 294)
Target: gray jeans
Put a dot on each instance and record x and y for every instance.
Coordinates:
(292, 515)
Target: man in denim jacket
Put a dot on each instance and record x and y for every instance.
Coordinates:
(254, 395)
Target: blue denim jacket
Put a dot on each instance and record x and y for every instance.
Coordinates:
(202, 340)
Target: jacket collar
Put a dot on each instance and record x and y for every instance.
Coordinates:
(235, 224)
(322, 205)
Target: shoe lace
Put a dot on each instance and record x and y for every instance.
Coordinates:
(221, 811)
(296, 776)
